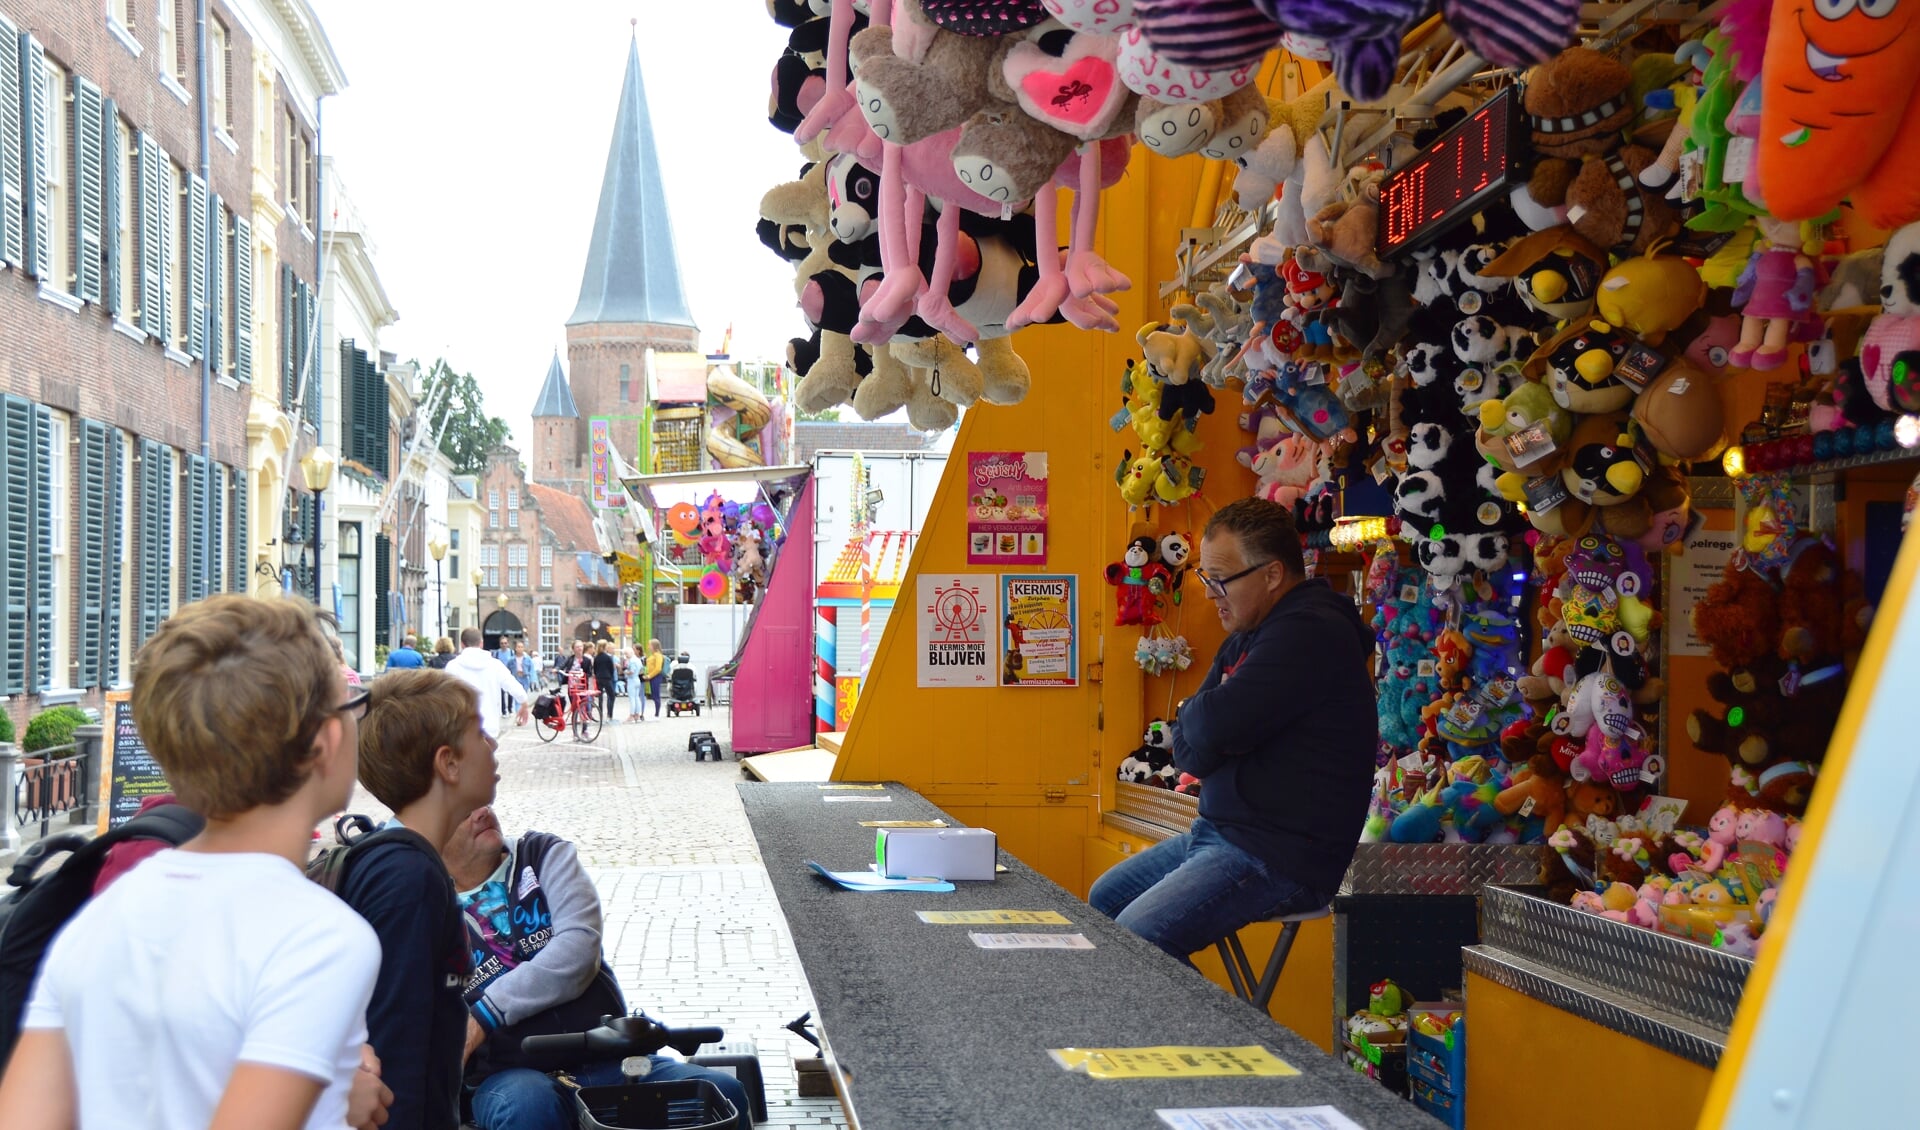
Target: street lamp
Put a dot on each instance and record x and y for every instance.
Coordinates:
(438, 547)
(317, 468)
(478, 575)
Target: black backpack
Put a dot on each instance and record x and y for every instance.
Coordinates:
(40, 905)
(356, 836)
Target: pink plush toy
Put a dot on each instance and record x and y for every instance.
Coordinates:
(1287, 469)
(1760, 826)
(1722, 831)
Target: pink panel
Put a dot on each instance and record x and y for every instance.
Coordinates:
(773, 693)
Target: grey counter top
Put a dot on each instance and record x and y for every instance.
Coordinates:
(930, 1031)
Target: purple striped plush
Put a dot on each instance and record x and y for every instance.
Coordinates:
(1364, 34)
(1208, 34)
(1513, 33)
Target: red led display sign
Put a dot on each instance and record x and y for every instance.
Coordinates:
(1451, 179)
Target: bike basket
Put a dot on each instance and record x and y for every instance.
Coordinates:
(684, 1104)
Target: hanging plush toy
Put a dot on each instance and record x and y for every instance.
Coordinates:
(1775, 294)
(1141, 580)
(1825, 62)
(1889, 363)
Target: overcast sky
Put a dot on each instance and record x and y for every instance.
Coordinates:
(472, 139)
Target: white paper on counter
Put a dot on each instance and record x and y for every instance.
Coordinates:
(843, 798)
(1030, 941)
(1258, 1118)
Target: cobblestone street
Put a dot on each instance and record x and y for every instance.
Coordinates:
(692, 927)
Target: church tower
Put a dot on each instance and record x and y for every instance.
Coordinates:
(558, 438)
(630, 295)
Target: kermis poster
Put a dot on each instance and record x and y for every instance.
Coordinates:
(957, 617)
(1007, 508)
(1039, 631)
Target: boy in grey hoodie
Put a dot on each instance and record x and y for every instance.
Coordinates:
(533, 918)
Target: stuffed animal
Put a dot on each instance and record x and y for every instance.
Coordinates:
(1774, 294)
(1176, 553)
(1579, 103)
(1578, 365)
(1889, 363)
(1538, 791)
(1680, 414)
(1737, 618)
(1555, 271)
(1650, 295)
(1810, 127)
(1141, 580)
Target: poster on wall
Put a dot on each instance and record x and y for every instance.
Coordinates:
(1007, 508)
(957, 614)
(1039, 631)
(1699, 567)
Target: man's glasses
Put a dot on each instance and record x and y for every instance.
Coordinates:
(1217, 586)
(356, 704)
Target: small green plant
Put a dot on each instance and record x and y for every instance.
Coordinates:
(380, 651)
(6, 726)
(51, 728)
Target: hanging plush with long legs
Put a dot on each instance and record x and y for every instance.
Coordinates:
(838, 98)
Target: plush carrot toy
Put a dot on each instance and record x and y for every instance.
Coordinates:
(1841, 95)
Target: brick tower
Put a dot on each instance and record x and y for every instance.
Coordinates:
(558, 436)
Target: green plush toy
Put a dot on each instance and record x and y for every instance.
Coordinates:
(1524, 407)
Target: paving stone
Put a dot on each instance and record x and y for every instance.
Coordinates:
(692, 928)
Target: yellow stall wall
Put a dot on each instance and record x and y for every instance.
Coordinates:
(1515, 1044)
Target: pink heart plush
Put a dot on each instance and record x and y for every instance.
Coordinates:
(1078, 95)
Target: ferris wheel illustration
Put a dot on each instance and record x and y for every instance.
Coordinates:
(956, 614)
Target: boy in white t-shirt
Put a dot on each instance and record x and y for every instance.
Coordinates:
(214, 985)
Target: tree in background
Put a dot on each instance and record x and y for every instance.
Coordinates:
(466, 432)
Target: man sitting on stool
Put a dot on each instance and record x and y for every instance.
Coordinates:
(1282, 736)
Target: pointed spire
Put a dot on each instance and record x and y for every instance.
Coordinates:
(632, 274)
(556, 398)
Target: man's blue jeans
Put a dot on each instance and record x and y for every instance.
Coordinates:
(1186, 893)
(520, 1098)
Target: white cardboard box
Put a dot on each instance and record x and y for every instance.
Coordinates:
(936, 853)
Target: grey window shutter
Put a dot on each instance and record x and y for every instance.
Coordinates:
(16, 539)
(112, 144)
(242, 298)
(88, 158)
(216, 290)
(309, 385)
(114, 552)
(156, 529)
(196, 531)
(240, 570)
(46, 615)
(12, 235)
(288, 315)
(153, 258)
(169, 229)
(216, 527)
(35, 121)
(93, 531)
(196, 250)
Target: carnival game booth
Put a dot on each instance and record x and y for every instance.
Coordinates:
(741, 618)
(1585, 363)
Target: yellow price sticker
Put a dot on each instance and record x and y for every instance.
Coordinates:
(866, 788)
(993, 918)
(1171, 1062)
(903, 823)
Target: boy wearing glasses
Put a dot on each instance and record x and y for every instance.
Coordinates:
(424, 754)
(1282, 736)
(214, 985)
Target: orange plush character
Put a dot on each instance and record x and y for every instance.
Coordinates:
(1452, 652)
(1841, 95)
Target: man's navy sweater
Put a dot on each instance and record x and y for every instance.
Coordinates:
(1282, 736)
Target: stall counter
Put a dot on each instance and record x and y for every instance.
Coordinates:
(923, 1028)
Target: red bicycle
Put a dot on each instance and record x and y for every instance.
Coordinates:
(577, 707)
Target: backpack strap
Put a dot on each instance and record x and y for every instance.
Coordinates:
(172, 824)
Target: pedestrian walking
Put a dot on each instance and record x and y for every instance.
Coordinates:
(606, 672)
(442, 654)
(656, 673)
(491, 679)
(406, 655)
(636, 664)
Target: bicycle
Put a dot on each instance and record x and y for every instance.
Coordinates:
(576, 708)
(686, 1104)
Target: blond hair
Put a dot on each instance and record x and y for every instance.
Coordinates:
(410, 715)
(229, 696)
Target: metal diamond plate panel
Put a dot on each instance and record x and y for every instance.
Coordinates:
(1443, 869)
(1689, 979)
(1628, 1016)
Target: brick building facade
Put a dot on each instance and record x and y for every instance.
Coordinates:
(543, 576)
(135, 321)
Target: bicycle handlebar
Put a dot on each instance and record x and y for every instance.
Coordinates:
(617, 1038)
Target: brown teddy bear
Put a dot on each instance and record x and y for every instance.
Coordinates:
(1738, 618)
(1580, 102)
